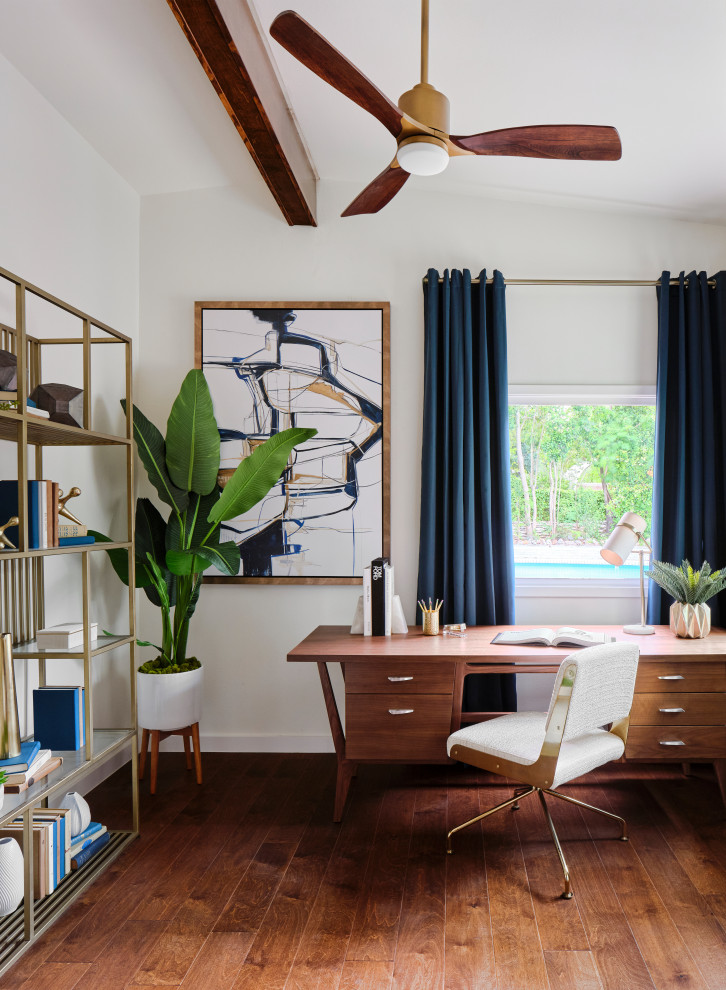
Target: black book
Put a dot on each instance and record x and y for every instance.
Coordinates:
(378, 596)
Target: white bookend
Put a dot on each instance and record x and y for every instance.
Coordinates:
(398, 619)
(356, 628)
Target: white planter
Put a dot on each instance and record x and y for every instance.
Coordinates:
(690, 621)
(11, 876)
(169, 701)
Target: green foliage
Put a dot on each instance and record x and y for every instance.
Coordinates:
(171, 556)
(684, 584)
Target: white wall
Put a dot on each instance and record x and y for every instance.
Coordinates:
(226, 244)
(70, 225)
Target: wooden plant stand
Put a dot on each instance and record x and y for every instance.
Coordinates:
(187, 732)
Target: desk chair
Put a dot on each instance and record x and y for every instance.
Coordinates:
(594, 688)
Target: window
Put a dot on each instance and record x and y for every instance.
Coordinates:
(576, 468)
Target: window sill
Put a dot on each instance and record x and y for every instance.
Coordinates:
(572, 588)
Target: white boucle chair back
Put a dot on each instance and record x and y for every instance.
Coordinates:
(603, 681)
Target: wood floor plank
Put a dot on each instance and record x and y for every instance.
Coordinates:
(121, 958)
(366, 975)
(59, 976)
(558, 921)
(375, 928)
(169, 959)
(419, 963)
(468, 946)
(572, 971)
(517, 948)
(217, 965)
(268, 962)
(617, 956)
(321, 952)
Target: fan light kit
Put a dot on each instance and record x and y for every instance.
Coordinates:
(420, 121)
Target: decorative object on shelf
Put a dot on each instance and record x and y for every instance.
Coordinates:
(64, 511)
(430, 615)
(80, 812)
(620, 544)
(690, 617)
(63, 402)
(4, 541)
(172, 555)
(267, 363)
(8, 372)
(64, 636)
(10, 728)
(11, 876)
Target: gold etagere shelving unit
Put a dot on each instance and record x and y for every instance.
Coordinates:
(22, 604)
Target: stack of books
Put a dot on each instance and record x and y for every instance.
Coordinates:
(87, 844)
(32, 765)
(51, 847)
(377, 597)
(42, 506)
(74, 535)
(59, 715)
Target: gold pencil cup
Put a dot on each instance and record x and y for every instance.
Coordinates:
(10, 729)
(431, 623)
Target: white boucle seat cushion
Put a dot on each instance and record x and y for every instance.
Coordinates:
(519, 737)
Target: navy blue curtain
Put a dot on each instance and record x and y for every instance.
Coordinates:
(466, 555)
(689, 474)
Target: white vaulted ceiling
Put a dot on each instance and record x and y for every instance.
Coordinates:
(125, 77)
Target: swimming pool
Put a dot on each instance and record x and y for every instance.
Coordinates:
(575, 572)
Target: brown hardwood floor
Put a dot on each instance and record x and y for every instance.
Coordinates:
(245, 883)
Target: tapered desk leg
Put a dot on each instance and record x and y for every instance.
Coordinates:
(346, 768)
(720, 767)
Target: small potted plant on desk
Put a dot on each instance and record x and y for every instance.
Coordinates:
(171, 555)
(690, 617)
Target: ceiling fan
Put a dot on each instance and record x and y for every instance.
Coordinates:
(420, 122)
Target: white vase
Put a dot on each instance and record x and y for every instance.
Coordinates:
(690, 621)
(169, 701)
(80, 812)
(11, 876)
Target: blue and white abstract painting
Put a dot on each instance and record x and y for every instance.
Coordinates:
(274, 368)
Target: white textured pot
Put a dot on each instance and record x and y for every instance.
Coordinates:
(169, 701)
(80, 812)
(690, 621)
(11, 876)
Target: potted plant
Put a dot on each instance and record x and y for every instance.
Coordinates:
(171, 555)
(690, 617)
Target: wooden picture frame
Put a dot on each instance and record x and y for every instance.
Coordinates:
(271, 365)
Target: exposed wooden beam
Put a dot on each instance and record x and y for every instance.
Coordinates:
(226, 40)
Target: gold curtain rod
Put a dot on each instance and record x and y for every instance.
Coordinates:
(578, 281)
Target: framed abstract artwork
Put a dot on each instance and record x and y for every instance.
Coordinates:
(274, 365)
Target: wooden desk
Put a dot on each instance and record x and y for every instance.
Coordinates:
(403, 693)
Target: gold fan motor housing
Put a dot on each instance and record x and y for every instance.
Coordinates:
(428, 106)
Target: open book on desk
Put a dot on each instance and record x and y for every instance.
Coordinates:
(565, 635)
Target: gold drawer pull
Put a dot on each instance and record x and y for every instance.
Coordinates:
(670, 677)
(395, 679)
(400, 711)
(672, 711)
(671, 742)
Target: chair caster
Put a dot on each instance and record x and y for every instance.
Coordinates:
(625, 838)
(567, 897)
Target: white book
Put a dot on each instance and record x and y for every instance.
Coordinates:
(43, 515)
(367, 602)
(565, 635)
(388, 601)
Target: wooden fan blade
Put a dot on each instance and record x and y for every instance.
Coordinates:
(379, 192)
(584, 142)
(309, 47)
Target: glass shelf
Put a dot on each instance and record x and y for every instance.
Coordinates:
(31, 650)
(49, 551)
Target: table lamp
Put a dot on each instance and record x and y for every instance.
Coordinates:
(620, 544)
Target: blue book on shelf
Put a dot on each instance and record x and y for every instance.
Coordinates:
(58, 718)
(9, 508)
(76, 541)
(80, 700)
(90, 851)
(87, 833)
(19, 764)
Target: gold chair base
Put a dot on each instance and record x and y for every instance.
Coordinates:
(525, 792)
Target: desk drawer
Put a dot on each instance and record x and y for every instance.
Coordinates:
(684, 742)
(690, 677)
(398, 677)
(397, 726)
(671, 708)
